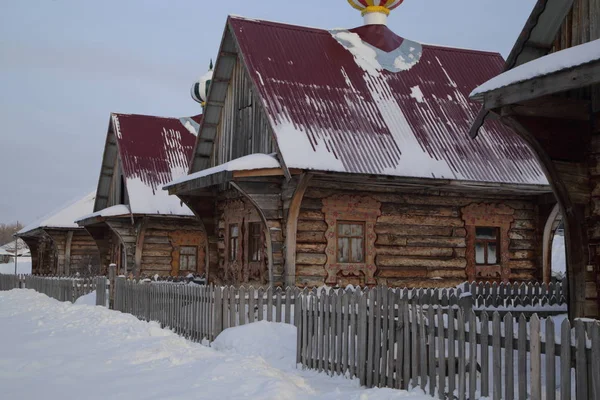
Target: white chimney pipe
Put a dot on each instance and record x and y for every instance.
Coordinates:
(375, 18)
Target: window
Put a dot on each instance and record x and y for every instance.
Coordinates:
(254, 241)
(188, 258)
(350, 242)
(487, 246)
(234, 237)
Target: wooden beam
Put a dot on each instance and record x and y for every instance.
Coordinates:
(139, 246)
(68, 253)
(259, 172)
(561, 81)
(291, 229)
(573, 216)
(552, 107)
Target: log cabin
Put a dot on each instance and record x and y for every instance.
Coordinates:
(58, 245)
(344, 158)
(134, 223)
(549, 95)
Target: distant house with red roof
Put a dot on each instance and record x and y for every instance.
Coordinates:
(343, 156)
(134, 223)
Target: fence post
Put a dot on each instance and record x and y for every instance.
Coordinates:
(112, 270)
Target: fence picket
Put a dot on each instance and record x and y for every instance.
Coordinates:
(362, 337)
(509, 367)
(496, 357)
(550, 361)
(461, 356)
(326, 330)
(451, 352)
(581, 377)
(522, 354)
(392, 337)
(595, 371)
(536, 358)
(384, 336)
(431, 343)
(565, 360)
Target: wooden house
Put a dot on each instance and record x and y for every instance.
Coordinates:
(343, 157)
(550, 95)
(134, 223)
(58, 245)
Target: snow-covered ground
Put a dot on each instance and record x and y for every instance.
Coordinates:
(23, 266)
(54, 350)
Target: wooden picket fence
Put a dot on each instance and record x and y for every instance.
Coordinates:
(387, 339)
(59, 288)
(510, 295)
(102, 285)
(202, 312)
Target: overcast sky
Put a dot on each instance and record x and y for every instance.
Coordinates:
(66, 64)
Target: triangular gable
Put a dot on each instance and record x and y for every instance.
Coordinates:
(147, 152)
(331, 112)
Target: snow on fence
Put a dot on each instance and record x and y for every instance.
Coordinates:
(387, 339)
(59, 288)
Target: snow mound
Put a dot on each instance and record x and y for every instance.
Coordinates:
(87, 300)
(274, 342)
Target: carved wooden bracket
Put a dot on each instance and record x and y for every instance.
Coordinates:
(351, 208)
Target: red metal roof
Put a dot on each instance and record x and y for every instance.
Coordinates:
(154, 151)
(329, 112)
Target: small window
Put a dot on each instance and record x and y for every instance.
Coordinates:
(350, 242)
(487, 246)
(255, 241)
(188, 258)
(234, 237)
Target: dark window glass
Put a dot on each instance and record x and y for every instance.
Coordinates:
(487, 245)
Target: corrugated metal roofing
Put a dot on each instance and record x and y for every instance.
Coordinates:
(332, 110)
(153, 152)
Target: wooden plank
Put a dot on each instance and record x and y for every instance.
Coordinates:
(406, 328)
(509, 368)
(565, 360)
(304, 329)
(451, 351)
(292, 228)
(595, 367)
(338, 332)
(581, 377)
(310, 330)
(322, 331)
(472, 354)
(288, 304)
(496, 357)
(536, 358)
(370, 346)
(422, 349)
(522, 355)
(442, 354)
(242, 305)
(345, 330)
(326, 299)
(278, 305)
(461, 356)
(393, 344)
(233, 312)
(353, 333)
(431, 343)
(260, 305)
(384, 336)
(376, 310)
(362, 344)
(550, 361)
(298, 313)
(270, 304)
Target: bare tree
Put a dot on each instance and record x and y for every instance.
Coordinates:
(7, 231)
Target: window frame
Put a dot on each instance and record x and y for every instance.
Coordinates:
(486, 243)
(234, 242)
(187, 256)
(351, 239)
(255, 241)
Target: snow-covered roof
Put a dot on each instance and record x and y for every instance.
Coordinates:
(114, 211)
(153, 151)
(64, 217)
(368, 101)
(8, 249)
(246, 163)
(552, 63)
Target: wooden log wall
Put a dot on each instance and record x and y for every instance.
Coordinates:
(243, 129)
(162, 239)
(421, 237)
(43, 254)
(81, 255)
